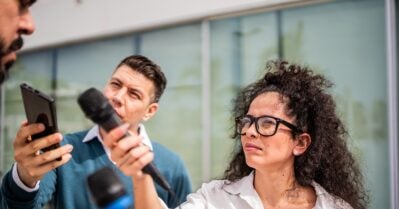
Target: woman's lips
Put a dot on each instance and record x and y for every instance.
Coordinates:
(251, 146)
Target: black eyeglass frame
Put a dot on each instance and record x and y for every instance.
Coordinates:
(253, 119)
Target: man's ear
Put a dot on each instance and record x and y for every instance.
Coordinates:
(151, 110)
(302, 142)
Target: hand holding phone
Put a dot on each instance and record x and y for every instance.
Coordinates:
(40, 108)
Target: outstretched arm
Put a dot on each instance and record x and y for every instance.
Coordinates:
(145, 194)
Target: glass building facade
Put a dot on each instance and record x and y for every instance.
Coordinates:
(206, 62)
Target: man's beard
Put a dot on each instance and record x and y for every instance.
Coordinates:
(4, 67)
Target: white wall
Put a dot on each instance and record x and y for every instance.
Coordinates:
(64, 21)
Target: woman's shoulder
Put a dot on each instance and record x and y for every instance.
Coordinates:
(213, 186)
(326, 200)
(229, 187)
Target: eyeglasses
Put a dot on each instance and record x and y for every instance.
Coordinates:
(265, 125)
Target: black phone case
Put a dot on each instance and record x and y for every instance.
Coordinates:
(40, 108)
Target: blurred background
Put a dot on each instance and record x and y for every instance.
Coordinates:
(208, 50)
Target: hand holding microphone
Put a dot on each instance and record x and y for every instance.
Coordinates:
(128, 152)
(97, 108)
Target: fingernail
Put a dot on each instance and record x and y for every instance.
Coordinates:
(41, 126)
(68, 156)
(69, 147)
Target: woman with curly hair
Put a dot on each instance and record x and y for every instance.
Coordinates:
(292, 151)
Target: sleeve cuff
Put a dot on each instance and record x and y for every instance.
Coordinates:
(19, 183)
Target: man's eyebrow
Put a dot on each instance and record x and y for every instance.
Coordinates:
(114, 79)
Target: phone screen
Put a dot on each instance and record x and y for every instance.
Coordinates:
(40, 108)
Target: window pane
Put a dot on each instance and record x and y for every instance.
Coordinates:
(346, 41)
(177, 125)
(239, 50)
(397, 85)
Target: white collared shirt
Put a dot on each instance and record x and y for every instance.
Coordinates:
(91, 134)
(219, 194)
(95, 132)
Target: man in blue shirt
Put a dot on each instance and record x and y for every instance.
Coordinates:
(133, 90)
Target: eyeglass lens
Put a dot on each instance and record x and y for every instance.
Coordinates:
(264, 125)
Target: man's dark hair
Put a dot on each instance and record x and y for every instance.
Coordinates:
(150, 70)
(327, 160)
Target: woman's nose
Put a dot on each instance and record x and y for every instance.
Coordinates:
(251, 131)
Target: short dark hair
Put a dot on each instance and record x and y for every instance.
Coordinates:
(150, 70)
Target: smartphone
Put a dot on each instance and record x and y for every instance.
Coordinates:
(40, 108)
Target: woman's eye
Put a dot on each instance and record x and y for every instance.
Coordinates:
(266, 123)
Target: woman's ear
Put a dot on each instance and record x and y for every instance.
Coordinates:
(302, 142)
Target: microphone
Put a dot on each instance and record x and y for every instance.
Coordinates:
(99, 110)
(107, 190)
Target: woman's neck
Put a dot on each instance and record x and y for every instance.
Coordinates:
(273, 185)
(279, 188)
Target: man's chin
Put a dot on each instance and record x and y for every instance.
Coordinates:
(8, 65)
(8, 60)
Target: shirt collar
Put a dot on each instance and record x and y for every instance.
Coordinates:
(246, 183)
(318, 189)
(244, 186)
(94, 132)
(245, 189)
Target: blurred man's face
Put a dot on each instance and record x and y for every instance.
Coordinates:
(15, 21)
(130, 93)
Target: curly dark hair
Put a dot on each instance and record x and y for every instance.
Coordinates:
(327, 160)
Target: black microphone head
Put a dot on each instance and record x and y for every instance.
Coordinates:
(95, 105)
(105, 187)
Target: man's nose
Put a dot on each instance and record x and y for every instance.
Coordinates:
(26, 23)
(118, 96)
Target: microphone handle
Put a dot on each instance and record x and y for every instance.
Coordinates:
(150, 169)
(155, 174)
